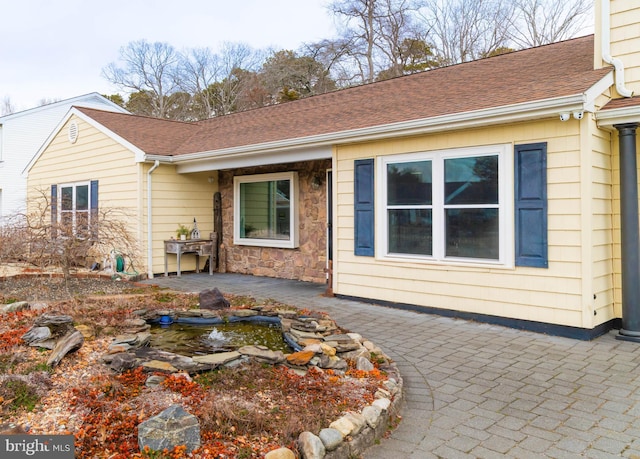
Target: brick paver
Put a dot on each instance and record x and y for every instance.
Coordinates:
(478, 390)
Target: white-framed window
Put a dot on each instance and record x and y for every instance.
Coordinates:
(447, 206)
(266, 210)
(74, 208)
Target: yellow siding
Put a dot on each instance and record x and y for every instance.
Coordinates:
(562, 294)
(63, 162)
(178, 199)
(625, 39)
(123, 185)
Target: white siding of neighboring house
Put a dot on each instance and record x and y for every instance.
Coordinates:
(22, 134)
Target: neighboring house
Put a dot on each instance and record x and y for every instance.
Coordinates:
(22, 134)
(488, 190)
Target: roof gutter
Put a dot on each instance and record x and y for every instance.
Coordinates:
(149, 220)
(605, 16)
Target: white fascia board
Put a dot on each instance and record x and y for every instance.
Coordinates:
(246, 159)
(320, 146)
(608, 118)
(139, 154)
(597, 90)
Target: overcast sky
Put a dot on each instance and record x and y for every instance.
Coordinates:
(56, 49)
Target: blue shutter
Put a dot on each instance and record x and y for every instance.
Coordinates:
(93, 205)
(93, 208)
(363, 207)
(531, 205)
(54, 210)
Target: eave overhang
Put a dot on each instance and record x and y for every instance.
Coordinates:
(607, 119)
(321, 146)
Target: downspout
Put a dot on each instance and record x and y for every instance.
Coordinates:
(605, 34)
(630, 233)
(149, 220)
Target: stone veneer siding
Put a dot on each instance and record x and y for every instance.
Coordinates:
(308, 261)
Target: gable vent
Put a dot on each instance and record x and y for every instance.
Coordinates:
(73, 132)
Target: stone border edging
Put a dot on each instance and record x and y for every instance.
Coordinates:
(350, 435)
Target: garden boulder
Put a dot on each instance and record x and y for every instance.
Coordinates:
(172, 427)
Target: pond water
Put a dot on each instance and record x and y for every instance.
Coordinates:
(189, 339)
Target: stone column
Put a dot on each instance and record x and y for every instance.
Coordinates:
(630, 233)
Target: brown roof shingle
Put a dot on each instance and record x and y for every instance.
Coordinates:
(545, 72)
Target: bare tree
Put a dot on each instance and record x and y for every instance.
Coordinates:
(372, 34)
(35, 238)
(7, 107)
(539, 22)
(464, 30)
(149, 68)
(213, 79)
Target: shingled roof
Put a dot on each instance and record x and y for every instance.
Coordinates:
(546, 72)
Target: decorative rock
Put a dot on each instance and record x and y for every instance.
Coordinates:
(300, 358)
(328, 350)
(136, 325)
(340, 339)
(172, 427)
(60, 325)
(52, 319)
(217, 359)
(363, 364)
(309, 341)
(343, 425)
(372, 415)
(158, 365)
(36, 335)
(154, 381)
(391, 385)
(300, 335)
(316, 348)
(358, 421)
(382, 403)
(343, 343)
(262, 353)
(176, 361)
(245, 313)
(360, 442)
(86, 331)
(332, 363)
(206, 314)
(280, 453)
(123, 361)
(311, 326)
(68, 343)
(117, 348)
(130, 339)
(213, 299)
(331, 438)
(355, 354)
(355, 337)
(14, 307)
(311, 446)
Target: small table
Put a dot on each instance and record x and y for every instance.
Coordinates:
(196, 246)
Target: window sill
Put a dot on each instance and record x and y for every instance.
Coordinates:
(285, 244)
(447, 263)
